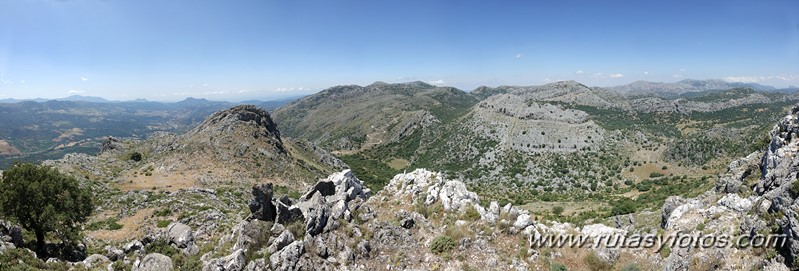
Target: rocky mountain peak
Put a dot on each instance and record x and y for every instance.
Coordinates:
(242, 115)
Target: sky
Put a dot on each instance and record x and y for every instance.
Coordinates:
(238, 50)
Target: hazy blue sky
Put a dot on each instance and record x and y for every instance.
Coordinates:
(234, 50)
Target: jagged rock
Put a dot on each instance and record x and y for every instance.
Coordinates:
(339, 210)
(114, 254)
(492, 213)
(283, 240)
(233, 262)
(669, 205)
(252, 233)
(154, 262)
(321, 247)
(257, 265)
(522, 221)
(347, 186)
(288, 257)
(676, 215)
(261, 204)
(735, 203)
(455, 196)
(430, 187)
(607, 254)
(288, 213)
(94, 260)
(508, 208)
(737, 171)
(326, 188)
(5, 245)
(316, 213)
(182, 236)
(407, 223)
(132, 246)
(364, 249)
(110, 144)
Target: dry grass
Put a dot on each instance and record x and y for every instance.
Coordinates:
(569, 207)
(132, 228)
(158, 181)
(398, 163)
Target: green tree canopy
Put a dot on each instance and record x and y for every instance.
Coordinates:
(43, 200)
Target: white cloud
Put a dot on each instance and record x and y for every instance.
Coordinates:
(191, 86)
(744, 79)
(519, 55)
(22, 82)
(677, 76)
(215, 92)
(598, 75)
(436, 82)
(757, 79)
(616, 75)
(579, 72)
(205, 85)
(646, 73)
(84, 79)
(245, 91)
(76, 92)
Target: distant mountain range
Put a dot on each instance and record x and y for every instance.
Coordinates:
(190, 100)
(689, 85)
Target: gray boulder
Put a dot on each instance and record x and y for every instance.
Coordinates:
(132, 246)
(288, 257)
(283, 240)
(94, 260)
(154, 262)
(182, 236)
(316, 213)
(669, 205)
(233, 262)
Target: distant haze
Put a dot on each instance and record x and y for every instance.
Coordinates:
(265, 50)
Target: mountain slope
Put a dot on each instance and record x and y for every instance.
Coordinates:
(684, 86)
(240, 144)
(354, 117)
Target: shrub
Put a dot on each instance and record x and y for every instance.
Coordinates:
(183, 262)
(161, 246)
(557, 210)
(163, 223)
(297, 228)
(163, 212)
(795, 187)
(595, 263)
(665, 251)
(135, 156)
(558, 267)
(631, 267)
(471, 214)
(656, 175)
(442, 244)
